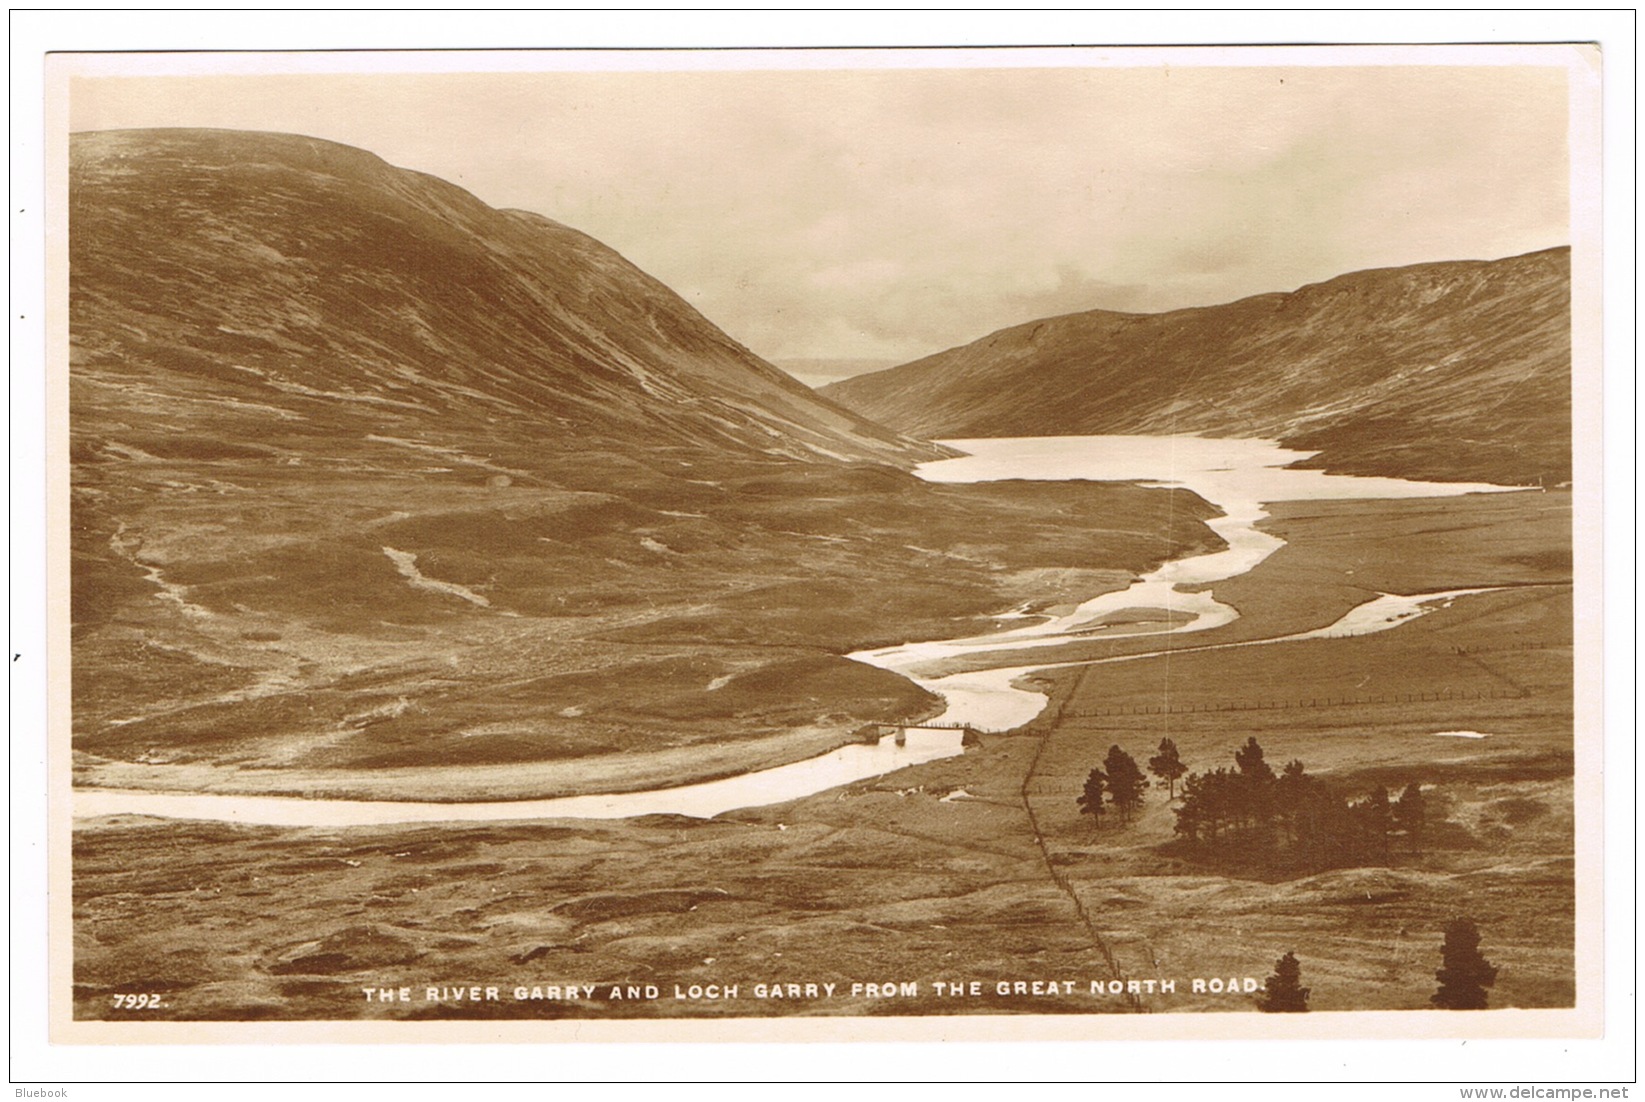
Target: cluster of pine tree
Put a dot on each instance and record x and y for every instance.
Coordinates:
(1248, 811)
(1123, 784)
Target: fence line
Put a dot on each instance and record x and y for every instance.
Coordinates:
(1313, 702)
(1504, 647)
(1058, 877)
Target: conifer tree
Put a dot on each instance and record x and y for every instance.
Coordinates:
(1250, 761)
(1090, 801)
(1283, 992)
(1167, 766)
(1290, 792)
(1126, 782)
(1255, 792)
(1192, 821)
(1466, 973)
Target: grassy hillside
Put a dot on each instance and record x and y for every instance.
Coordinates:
(1450, 371)
(369, 476)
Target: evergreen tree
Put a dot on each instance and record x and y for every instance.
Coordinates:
(1466, 973)
(1191, 816)
(1290, 792)
(1411, 815)
(1325, 830)
(1283, 992)
(1167, 766)
(1126, 782)
(1255, 793)
(1219, 798)
(1090, 800)
(1249, 760)
(1291, 820)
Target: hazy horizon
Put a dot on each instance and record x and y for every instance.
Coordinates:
(882, 215)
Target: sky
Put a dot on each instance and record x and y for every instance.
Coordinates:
(881, 214)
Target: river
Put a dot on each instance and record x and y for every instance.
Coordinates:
(1238, 477)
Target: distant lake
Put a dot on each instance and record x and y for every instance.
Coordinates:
(1239, 477)
(1236, 476)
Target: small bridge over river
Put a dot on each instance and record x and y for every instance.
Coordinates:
(968, 734)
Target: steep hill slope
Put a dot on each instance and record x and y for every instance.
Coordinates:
(369, 476)
(244, 274)
(1439, 371)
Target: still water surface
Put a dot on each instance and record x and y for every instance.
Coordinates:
(1239, 477)
(1236, 476)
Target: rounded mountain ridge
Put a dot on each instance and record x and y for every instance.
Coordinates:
(280, 262)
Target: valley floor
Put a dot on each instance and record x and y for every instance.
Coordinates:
(977, 869)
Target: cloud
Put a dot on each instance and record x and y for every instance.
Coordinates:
(1076, 291)
(892, 213)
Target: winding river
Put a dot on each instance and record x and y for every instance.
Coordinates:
(1236, 476)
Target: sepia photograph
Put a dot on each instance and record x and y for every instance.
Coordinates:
(825, 544)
